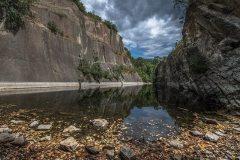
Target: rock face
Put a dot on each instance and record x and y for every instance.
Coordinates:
(206, 62)
(35, 54)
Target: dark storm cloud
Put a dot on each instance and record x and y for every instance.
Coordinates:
(150, 26)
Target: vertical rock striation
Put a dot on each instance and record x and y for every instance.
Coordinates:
(206, 62)
(36, 54)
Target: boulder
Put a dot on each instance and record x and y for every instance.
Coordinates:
(71, 129)
(100, 123)
(219, 133)
(127, 154)
(44, 127)
(69, 144)
(211, 137)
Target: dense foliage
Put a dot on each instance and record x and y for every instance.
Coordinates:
(145, 67)
(82, 8)
(14, 11)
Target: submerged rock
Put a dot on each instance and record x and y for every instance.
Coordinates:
(100, 123)
(69, 144)
(19, 141)
(71, 129)
(44, 127)
(6, 137)
(176, 143)
(211, 137)
(34, 124)
(196, 133)
(92, 150)
(5, 130)
(127, 154)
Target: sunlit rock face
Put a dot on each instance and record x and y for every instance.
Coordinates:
(35, 54)
(206, 62)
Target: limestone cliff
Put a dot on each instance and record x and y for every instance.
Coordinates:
(206, 63)
(36, 54)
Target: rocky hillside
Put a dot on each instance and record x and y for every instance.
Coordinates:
(206, 63)
(59, 43)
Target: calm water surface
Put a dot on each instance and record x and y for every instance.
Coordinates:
(143, 115)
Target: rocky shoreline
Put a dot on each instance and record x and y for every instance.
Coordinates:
(26, 137)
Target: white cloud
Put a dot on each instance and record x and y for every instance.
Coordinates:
(143, 25)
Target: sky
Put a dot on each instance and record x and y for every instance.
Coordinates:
(149, 27)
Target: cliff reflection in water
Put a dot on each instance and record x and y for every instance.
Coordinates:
(143, 117)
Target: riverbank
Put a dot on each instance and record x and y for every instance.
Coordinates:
(8, 88)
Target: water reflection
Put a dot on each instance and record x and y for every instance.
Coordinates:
(143, 116)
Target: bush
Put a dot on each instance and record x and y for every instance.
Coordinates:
(53, 28)
(14, 12)
(96, 17)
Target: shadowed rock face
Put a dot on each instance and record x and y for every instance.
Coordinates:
(206, 62)
(35, 54)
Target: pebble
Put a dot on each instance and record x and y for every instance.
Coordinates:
(92, 150)
(176, 157)
(100, 123)
(211, 121)
(46, 138)
(221, 134)
(176, 144)
(6, 137)
(237, 129)
(211, 137)
(44, 127)
(110, 154)
(16, 122)
(196, 133)
(34, 124)
(127, 154)
(5, 130)
(19, 141)
(69, 144)
(71, 129)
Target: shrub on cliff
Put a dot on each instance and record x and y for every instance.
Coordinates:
(13, 13)
(53, 28)
(110, 25)
(80, 6)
